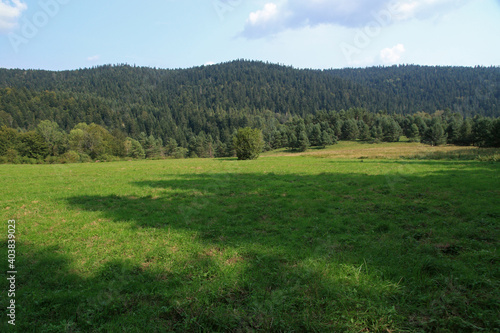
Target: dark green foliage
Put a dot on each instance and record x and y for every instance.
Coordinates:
(435, 135)
(326, 139)
(180, 152)
(199, 109)
(276, 140)
(248, 143)
(453, 130)
(153, 147)
(495, 133)
(170, 147)
(9, 139)
(133, 148)
(302, 141)
(377, 134)
(5, 119)
(421, 124)
(414, 133)
(481, 132)
(54, 137)
(414, 88)
(33, 145)
(118, 143)
(390, 129)
(316, 135)
(350, 130)
(364, 131)
(465, 133)
(97, 141)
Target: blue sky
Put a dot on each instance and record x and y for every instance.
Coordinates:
(71, 34)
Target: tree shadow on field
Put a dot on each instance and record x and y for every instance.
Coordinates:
(303, 241)
(120, 297)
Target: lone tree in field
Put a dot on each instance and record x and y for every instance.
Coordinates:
(248, 143)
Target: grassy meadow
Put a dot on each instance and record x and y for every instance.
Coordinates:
(327, 241)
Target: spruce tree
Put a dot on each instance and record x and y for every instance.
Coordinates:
(364, 130)
(303, 141)
(326, 139)
(435, 135)
(316, 136)
(481, 131)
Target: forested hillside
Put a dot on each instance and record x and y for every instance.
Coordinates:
(199, 109)
(468, 91)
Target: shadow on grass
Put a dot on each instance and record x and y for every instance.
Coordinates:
(328, 252)
(120, 297)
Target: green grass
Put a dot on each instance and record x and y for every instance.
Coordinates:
(280, 244)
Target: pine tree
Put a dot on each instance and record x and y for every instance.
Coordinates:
(170, 146)
(193, 147)
(391, 129)
(350, 130)
(377, 134)
(364, 131)
(465, 133)
(453, 131)
(481, 131)
(134, 149)
(435, 135)
(495, 133)
(316, 136)
(326, 139)
(303, 141)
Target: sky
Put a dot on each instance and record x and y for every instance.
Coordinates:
(318, 34)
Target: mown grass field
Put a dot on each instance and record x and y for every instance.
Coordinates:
(280, 244)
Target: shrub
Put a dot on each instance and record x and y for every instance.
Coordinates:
(12, 156)
(52, 160)
(108, 158)
(180, 152)
(28, 160)
(84, 158)
(71, 157)
(248, 143)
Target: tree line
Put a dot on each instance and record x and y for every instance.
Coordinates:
(135, 112)
(49, 143)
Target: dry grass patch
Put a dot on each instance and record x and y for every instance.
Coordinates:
(358, 150)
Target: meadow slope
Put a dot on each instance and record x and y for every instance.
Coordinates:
(280, 244)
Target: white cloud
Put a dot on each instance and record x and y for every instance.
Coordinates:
(264, 22)
(10, 12)
(269, 13)
(209, 63)
(408, 9)
(94, 58)
(392, 55)
(293, 14)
